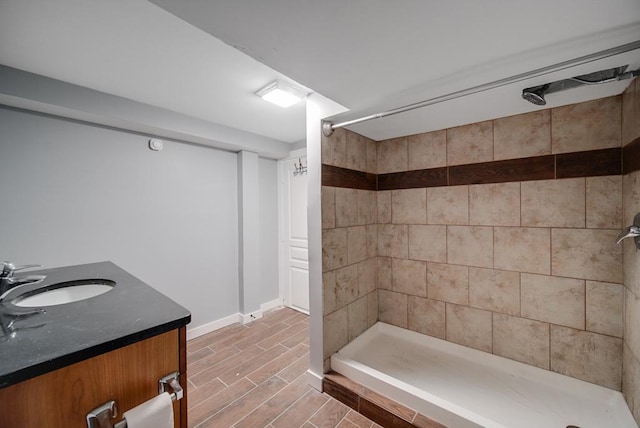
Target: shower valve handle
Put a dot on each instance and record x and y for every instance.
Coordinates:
(629, 232)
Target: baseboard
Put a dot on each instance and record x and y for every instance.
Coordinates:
(275, 303)
(314, 380)
(247, 318)
(201, 330)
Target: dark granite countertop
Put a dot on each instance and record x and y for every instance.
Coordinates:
(73, 332)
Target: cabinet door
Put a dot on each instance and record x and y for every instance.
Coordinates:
(62, 398)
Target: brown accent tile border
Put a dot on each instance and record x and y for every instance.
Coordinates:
(631, 157)
(432, 177)
(592, 163)
(374, 406)
(342, 177)
(589, 164)
(381, 416)
(526, 169)
(341, 393)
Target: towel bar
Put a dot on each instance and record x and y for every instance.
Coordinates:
(101, 416)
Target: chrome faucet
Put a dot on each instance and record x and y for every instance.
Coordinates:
(10, 315)
(8, 281)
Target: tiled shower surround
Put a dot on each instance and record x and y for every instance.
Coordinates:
(631, 206)
(498, 235)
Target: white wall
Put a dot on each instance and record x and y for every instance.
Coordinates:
(74, 193)
(269, 269)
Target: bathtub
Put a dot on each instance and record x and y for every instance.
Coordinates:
(465, 388)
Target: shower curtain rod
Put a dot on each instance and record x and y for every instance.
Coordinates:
(328, 127)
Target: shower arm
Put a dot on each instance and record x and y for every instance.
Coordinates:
(328, 127)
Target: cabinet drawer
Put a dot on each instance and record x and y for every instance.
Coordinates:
(62, 398)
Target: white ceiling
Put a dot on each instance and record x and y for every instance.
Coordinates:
(368, 55)
(136, 50)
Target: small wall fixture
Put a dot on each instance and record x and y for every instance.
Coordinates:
(632, 231)
(300, 168)
(281, 94)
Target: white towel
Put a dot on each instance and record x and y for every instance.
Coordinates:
(155, 413)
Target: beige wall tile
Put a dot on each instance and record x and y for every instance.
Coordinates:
(346, 285)
(522, 249)
(605, 307)
(426, 316)
(372, 308)
(631, 381)
(449, 283)
(393, 241)
(631, 322)
(554, 203)
(357, 317)
(367, 204)
(372, 240)
(410, 277)
(521, 339)
(495, 290)
(372, 156)
(356, 151)
(328, 207)
(392, 308)
(586, 126)
(604, 202)
(494, 204)
(469, 327)
(334, 148)
(522, 136)
(392, 155)
(552, 299)
(470, 143)
(367, 276)
(470, 245)
(630, 121)
(586, 253)
(384, 277)
(428, 243)
(329, 292)
(346, 207)
(356, 244)
(384, 206)
(428, 150)
(335, 331)
(588, 356)
(448, 205)
(631, 191)
(334, 248)
(409, 206)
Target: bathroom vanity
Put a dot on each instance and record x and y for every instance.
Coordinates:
(60, 365)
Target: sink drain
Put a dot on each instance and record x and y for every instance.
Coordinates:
(573, 426)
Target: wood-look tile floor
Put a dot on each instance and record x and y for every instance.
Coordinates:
(254, 375)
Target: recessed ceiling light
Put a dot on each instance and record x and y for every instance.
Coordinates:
(281, 94)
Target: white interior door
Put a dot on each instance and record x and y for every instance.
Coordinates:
(294, 244)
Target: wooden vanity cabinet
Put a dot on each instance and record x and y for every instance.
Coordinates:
(129, 375)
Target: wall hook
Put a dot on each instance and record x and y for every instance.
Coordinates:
(299, 168)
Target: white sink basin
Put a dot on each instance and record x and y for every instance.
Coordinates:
(72, 292)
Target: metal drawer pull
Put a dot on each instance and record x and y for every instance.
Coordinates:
(101, 416)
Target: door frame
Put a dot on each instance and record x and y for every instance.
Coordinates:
(285, 297)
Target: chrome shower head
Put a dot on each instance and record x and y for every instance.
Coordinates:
(535, 95)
